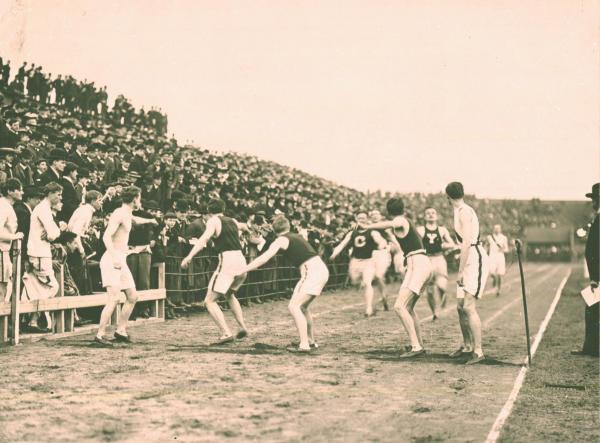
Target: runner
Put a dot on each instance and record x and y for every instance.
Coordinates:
(313, 278)
(362, 265)
(498, 246)
(226, 280)
(472, 274)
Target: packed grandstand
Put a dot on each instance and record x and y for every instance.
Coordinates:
(46, 119)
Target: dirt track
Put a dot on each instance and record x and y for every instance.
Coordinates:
(171, 386)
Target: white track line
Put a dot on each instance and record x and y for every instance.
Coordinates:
(510, 402)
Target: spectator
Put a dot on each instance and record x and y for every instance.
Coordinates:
(78, 156)
(23, 209)
(58, 161)
(70, 199)
(12, 192)
(22, 169)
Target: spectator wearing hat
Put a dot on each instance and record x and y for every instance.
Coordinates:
(78, 155)
(22, 169)
(11, 193)
(591, 344)
(58, 161)
(83, 180)
(32, 195)
(41, 167)
(70, 198)
(138, 162)
(9, 155)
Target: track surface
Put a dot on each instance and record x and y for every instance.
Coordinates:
(172, 386)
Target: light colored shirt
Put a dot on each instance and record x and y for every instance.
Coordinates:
(42, 222)
(80, 221)
(8, 222)
(498, 244)
(467, 213)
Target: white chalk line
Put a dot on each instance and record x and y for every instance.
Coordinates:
(510, 402)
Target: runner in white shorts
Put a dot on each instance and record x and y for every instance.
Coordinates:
(362, 265)
(436, 240)
(116, 276)
(227, 278)
(472, 274)
(418, 270)
(382, 258)
(313, 278)
(498, 246)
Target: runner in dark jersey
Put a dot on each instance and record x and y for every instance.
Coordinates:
(362, 265)
(313, 277)
(417, 273)
(382, 258)
(226, 280)
(436, 240)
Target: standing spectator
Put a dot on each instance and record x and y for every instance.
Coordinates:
(22, 169)
(40, 169)
(592, 258)
(6, 73)
(138, 162)
(83, 181)
(78, 156)
(69, 196)
(39, 282)
(12, 192)
(31, 197)
(58, 161)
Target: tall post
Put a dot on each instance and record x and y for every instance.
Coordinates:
(16, 291)
(518, 245)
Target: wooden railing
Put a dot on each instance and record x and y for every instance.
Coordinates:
(63, 308)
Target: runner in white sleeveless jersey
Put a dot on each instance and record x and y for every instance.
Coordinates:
(116, 276)
(498, 246)
(313, 278)
(472, 274)
(227, 278)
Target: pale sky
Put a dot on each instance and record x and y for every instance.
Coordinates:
(394, 95)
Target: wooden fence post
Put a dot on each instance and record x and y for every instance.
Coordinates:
(16, 292)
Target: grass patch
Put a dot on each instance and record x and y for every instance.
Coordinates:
(559, 400)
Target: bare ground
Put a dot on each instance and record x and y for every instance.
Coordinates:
(172, 386)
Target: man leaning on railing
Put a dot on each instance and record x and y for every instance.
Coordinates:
(11, 192)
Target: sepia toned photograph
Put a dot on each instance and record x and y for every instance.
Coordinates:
(299, 221)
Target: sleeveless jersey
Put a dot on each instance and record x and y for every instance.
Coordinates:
(363, 244)
(470, 213)
(432, 241)
(411, 241)
(229, 238)
(298, 250)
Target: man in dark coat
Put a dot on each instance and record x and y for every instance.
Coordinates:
(70, 199)
(591, 345)
(58, 161)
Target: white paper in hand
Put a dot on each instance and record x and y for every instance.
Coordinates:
(590, 296)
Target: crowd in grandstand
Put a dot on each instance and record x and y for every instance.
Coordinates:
(61, 130)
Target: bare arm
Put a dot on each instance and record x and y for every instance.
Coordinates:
(5, 234)
(447, 241)
(464, 246)
(339, 248)
(276, 246)
(143, 221)
(381, 243)
(211, 229)
(113, 224)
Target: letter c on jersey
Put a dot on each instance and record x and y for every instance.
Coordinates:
(360, 241)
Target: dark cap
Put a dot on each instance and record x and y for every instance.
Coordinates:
(595, 192)
(57, 154)
(151, 204)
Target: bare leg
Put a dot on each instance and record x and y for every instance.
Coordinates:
(368, 298)
(295, 308)
(498, 284)
(309, 322)
(215, 312)
(474, 322)
(131, 298)
(401, 308)
(416, 321)
(379, 283)
(109, 307)
(236, 308)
